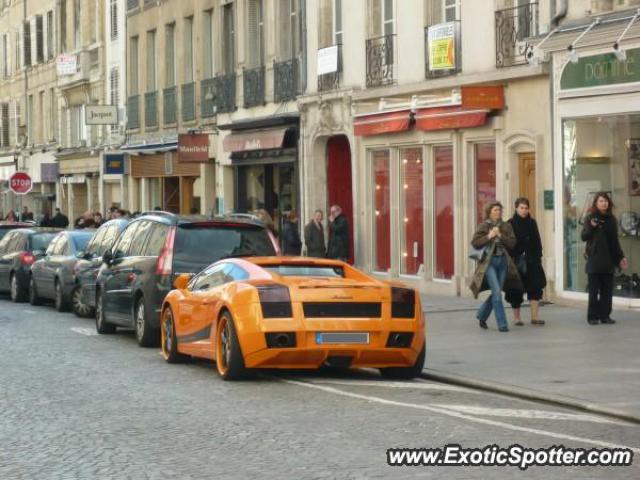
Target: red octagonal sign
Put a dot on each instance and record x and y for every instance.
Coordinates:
(20, 183)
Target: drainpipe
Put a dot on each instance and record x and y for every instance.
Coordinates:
(558, 16)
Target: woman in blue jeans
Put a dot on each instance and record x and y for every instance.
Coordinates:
(496, 271)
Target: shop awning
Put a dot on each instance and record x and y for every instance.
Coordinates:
(380, 123)
(254, 140)
(446, 118)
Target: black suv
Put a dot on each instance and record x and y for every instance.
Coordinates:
(85, 271)
(139, 270)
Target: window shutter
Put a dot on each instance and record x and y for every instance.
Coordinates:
(33, 38)
(253, 33)
(3, 57)
(114, 19)
(45, 37)
(39, 39)
(4, 125)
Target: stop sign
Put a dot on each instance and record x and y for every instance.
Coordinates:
(20, 183)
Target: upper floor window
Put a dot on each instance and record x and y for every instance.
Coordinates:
(151, 61)
(381, 17)
(255, 33)
(229, 39)
(77, 23)
(290, 42)
(170, 54)
(113, 18)
(188, 50)
(133, 65)
(330, 23)
(451, 10)
(207, 44)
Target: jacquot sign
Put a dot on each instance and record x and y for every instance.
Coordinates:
(100, 115)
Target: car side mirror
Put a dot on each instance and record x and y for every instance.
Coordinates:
(107, 257)
(182, 281)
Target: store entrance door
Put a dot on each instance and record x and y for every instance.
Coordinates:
(339, 185)
(527, 175)
(172, 194)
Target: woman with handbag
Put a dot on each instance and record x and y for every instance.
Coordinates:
(604, 255)
(495, 271)
(527, 256)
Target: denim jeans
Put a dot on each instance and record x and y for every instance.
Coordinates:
(495, 275)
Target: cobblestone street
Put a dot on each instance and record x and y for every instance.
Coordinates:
(78, 405)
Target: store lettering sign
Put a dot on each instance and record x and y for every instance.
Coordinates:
(599, 70)
(193, 148)
(441, 45)
(114, 164)
(66, 65)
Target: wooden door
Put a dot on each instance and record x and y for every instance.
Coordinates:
(527, 175)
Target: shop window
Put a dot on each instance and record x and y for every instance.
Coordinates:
(411, 168)
(485, 155)
(602, 154)
(444, 211)
(382, 211)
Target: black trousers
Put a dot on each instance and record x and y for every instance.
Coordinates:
(600, 295)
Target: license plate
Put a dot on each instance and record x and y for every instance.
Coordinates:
(342, 337)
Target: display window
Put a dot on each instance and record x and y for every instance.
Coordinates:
(444, 211)
(411, 168)
(485, 156)
(381, 211)
(601, 153)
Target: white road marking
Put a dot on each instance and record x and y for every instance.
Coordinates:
(84, 331)
(30, 312)
(385, 384)
(462, 416)
(521, 413)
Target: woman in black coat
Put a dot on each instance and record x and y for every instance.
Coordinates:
(527, 255)
(604, 255)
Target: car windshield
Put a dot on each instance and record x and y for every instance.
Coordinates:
(305, 270)
(4, 231)
(81, 239)
(197, 246)
(40, 241)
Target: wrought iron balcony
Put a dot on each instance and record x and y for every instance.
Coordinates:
(381, 56)
(253, 87)
(188, 102)
(133, 112)
(169, 105)
(331, 80)
(443, 52)
(285, 80)
(225, 93)
(513, 27)
(151, 109)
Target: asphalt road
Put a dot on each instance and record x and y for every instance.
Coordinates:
(74, 404)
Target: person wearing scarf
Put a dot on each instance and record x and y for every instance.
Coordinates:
(496, 271)
(527, 255)
(604, 255)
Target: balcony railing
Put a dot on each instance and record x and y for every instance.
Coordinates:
(285, 80)
(253, 87)
(381, 56)
(330, 80)
(169, 105)
(443, 52)
(208, 97)
(133, 112)
(151, 109)
(225, 93)
(513, 27)
(188, 102)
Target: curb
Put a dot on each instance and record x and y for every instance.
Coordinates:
(528, 394)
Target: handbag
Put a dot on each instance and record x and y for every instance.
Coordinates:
(478, 254)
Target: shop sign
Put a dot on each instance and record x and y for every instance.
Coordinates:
(73, 179)
(548, 200)
(193, 148)
(100, 115)
(114, 164)
(599, 70)
(441, 44)
(328, 60)
(66, 65)
(49, 172)
(256, 140)
(489, 97)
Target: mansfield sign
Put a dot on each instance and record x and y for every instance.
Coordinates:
(193, 148)
(601, 70)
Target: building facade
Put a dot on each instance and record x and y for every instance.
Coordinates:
(433, 112)
(29, 113)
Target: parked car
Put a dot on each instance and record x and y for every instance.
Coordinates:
(293, 312)
(85, 272)
(52, 275)
(6, 227)
(139, 270)
(19, 249)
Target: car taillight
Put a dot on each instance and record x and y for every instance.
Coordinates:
(403, 302)
(27, 258)
(165, 259)
(275, 301)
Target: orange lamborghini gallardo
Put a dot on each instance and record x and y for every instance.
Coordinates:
(293, 312)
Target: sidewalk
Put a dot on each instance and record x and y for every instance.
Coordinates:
(565, 361)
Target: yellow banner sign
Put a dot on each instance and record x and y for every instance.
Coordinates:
(441, 42)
